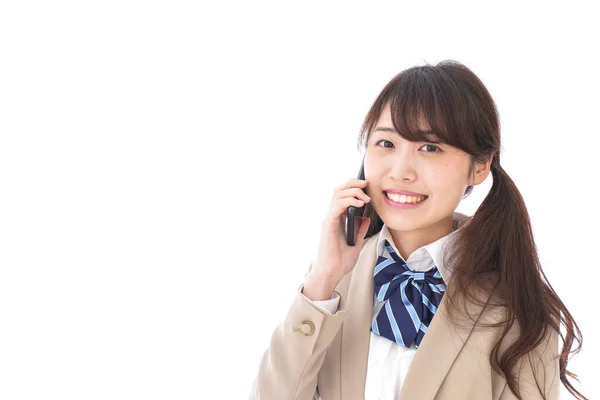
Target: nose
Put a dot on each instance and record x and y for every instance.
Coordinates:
(403, 167)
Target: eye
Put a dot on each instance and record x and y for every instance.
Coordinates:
(383, 141)
(437, 149)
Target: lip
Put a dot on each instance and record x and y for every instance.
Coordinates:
(406, 192)
(401, 205)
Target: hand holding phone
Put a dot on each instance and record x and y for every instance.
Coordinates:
(354, 211)
(337, 253)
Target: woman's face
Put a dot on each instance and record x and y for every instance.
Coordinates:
(438, 171)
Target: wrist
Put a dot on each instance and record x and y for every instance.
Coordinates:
(319, 287)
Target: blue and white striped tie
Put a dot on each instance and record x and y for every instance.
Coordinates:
(411, 299)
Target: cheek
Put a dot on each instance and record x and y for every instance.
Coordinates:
(374, 170)
(444, 179)
(440, 175)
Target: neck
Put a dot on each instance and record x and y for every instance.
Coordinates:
(409, 241)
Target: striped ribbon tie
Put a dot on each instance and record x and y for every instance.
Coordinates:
(411, 299)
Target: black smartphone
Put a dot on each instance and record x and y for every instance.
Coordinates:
(354, 211)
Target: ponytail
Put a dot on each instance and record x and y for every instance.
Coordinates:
(496, 250)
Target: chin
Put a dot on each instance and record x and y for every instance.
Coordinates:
(404, 224)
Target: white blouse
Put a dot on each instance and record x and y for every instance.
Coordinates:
(388, 362)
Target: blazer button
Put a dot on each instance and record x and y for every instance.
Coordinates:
(306, 328)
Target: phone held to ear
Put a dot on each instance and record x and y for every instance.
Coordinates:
(354, 211)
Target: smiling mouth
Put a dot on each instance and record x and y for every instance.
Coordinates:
(405, 199)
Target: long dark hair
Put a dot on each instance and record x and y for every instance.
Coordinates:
(497, 244)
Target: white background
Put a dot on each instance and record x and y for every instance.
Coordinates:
(165, 168)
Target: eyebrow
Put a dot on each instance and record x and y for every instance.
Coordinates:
(385, 129)
(392, 130)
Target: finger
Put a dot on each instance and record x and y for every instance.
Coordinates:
(343, 204)
(354, 182)
(354, 192)
(339, 210)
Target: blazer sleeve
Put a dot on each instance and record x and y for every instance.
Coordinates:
(541, 365)
(290, 365)
(330, 305)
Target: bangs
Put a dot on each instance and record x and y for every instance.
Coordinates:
(425, 106)
(416, 115)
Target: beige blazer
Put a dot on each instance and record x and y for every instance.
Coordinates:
(311, 348)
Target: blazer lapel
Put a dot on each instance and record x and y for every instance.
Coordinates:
(439, 349)
(356, 330)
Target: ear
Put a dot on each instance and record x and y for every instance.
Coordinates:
(481, 172)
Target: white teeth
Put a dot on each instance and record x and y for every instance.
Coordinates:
(405, 199)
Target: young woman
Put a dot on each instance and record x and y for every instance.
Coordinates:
(429, 303)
